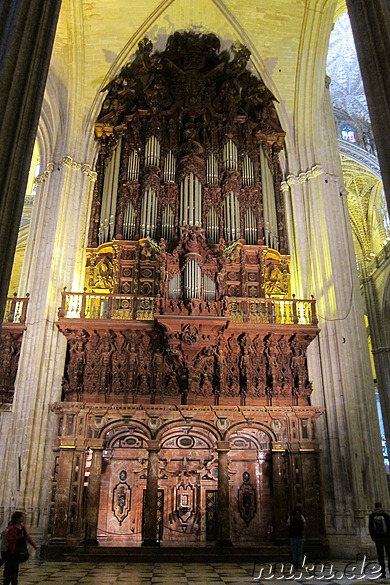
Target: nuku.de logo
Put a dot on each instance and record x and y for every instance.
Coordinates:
(354, 570)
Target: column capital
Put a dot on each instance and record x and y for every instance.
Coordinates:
(95, 444)
(223, 446)
(153, 446)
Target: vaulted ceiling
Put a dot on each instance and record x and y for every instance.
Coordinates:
(363, 185)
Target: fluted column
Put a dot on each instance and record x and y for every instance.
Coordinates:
(150, 505)
(93, 493)
(380, 350)
(370, 22)
(26, 39)
(223, 494)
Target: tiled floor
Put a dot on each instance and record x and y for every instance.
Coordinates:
(68, 573)
(71, 573)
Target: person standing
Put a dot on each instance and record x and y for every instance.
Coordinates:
(379, 529)
(295, 527)
(17, 538)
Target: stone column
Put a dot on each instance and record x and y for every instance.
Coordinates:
(223, 494)
(150, 504)
(93, 494)
(370, 22)
(380, 351)
(63, 491)
(26, 39)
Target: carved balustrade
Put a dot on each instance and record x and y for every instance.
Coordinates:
(100, 306)
(122, 307)
(16, 310)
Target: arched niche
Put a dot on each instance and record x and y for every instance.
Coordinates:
(123, 483)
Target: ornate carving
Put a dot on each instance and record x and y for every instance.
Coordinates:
(276, 279)
(121, 498)
(246, 499)
(9, 358)
(190, 335)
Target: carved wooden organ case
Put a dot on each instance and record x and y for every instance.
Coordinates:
(187, 279)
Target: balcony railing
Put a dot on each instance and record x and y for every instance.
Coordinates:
(16, 310)
(273, 311)
(100, 306)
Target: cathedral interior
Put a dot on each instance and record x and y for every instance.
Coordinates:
(196, 331)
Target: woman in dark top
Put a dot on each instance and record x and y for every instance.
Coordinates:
(17, 536)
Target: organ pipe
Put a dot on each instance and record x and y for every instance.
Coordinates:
(129, 222)
(230, 159)
(212, 227)
(174, 287)
(169, 168)
(248, 173)
(149, 214)
(250, 227)
(192, 280)
(133, 166)
(231, 211)
(190, 201)
(211, 170)
(152, 152)
(110, 191)
(168, 224)
(269, 207)
(209, 289)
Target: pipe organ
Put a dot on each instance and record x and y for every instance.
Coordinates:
(187, 314)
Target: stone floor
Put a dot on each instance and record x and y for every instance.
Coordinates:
(36, 572)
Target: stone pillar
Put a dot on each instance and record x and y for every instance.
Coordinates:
(26, 38)
(223, 494)
(63, 491)
(380, 351)
(370, 22)
(150, 504)
(93, 494)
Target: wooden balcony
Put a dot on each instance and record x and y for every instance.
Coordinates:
(123, 307)
(15, 313)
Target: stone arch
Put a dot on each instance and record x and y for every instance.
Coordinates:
(254, 425)
(170, 428)
(119, 427)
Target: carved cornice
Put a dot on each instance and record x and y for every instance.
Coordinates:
(68, 162)
(302, 177)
